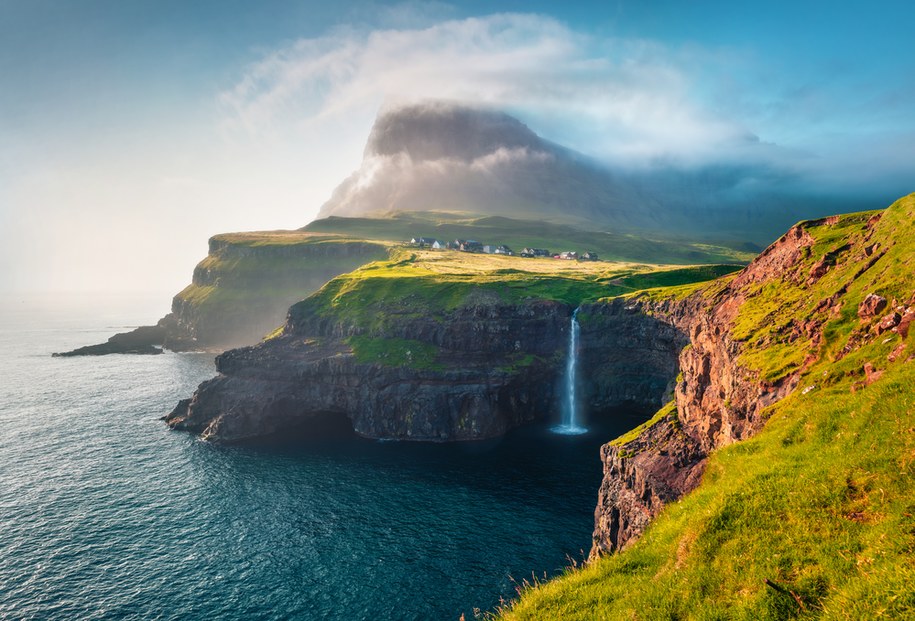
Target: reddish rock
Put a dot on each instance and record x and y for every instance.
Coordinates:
(871, 374)
(898, 351)
(718, 402)
(907, 317)
(888, 323)
(872, 305)
(818, 270)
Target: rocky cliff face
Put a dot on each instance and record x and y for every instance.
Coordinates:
(721, 396)
(401, 372)
(628, 357)
(473, 372)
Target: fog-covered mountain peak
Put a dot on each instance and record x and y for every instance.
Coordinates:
(435, 130)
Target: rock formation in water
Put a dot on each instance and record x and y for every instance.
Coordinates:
(470, 373)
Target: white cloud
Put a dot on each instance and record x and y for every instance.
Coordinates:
(625, 99)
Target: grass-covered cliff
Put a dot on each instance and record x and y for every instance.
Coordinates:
(243, 288)
(377, 299)
(814, 515)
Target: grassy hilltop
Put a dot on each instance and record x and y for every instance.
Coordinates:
(821, 503)
(518, 233)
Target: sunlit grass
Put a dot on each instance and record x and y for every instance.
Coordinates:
(814, 517)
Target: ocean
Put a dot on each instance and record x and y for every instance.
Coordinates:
(107, 514)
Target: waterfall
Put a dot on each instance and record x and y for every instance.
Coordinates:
(570, 424)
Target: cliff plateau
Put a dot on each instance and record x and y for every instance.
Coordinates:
(441, 346)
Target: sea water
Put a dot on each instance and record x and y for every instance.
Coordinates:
(107, 514)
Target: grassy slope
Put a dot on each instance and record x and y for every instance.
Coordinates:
(520, 233)
(821, 502)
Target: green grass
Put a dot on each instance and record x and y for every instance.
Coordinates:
(666, 413)
(520, 233)
(394, 352)
(424, 283)
(821, 502)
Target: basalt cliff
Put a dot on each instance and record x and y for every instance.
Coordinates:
(416, 368)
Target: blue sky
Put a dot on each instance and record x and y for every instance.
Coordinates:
(131, 131)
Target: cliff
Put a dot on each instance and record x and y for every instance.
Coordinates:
(439, 346)
(468, 373)
(718, 399)
(241, 291)
(776, 483)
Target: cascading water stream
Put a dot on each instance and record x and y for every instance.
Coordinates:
(570, 425)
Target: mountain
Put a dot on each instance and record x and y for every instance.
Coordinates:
(448, 157)
(440, 156)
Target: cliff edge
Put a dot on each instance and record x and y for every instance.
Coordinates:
(776, 483)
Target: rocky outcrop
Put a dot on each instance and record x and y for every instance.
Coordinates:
(142, 340)
(716, 400)
(486, 368)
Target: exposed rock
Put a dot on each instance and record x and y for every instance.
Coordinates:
(718, 402)
(142, 340)
(888, 323)
(872, 305)
(628, 355)
(640, 478)
(871, 373)
(478, 386)
(896, 353)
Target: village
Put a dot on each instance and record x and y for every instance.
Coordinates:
(471, 245)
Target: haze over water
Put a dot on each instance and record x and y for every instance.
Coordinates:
(106, 514)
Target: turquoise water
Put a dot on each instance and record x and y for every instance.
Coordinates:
(106, 514)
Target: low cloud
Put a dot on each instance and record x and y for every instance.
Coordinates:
(631, 102)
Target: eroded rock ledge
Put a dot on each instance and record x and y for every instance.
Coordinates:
(717, 399)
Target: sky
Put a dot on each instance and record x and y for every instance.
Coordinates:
(131, 131)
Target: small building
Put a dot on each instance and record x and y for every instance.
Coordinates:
(568, 255)
(489, 249)
(589, 256)
(535, 252)
(423, 242)
(471, 245)
(439, 245)
(503, 250)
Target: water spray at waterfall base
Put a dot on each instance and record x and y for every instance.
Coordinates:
(570, 422)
